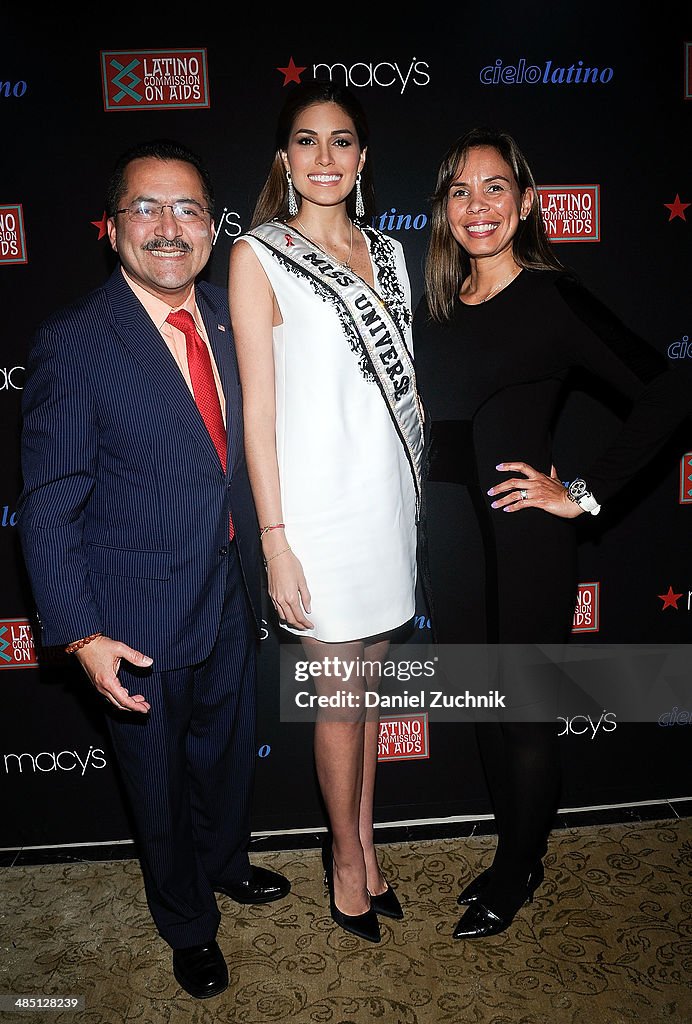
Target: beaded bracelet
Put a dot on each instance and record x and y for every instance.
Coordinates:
(78, 644)
(275, 526)
(282, 552)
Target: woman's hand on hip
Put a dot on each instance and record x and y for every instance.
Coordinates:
(532, 489)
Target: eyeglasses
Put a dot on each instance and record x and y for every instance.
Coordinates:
(145, 212)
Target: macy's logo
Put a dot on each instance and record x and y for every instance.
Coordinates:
(11, 378)
(582, 725)
(383, 74)
(671, 598)
(50, 761)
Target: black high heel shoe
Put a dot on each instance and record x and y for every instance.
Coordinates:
(476, 886)
(386, 904)
(479, 921)
(364, 926)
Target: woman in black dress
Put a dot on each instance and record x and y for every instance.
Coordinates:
(500, 328)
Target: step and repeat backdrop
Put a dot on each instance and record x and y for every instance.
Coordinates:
(603, 115)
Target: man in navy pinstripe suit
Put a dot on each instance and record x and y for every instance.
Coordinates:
(143, 550)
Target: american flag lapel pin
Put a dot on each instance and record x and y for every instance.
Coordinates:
(221, 327)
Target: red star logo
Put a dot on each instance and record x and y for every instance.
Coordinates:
(291, 73)
(670, 600)
(677, 209)
(101, 225)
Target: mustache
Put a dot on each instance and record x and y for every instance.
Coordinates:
(164, 243)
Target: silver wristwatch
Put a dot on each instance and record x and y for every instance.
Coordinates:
(578, 491)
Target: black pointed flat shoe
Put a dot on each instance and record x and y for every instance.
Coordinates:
(386, 904)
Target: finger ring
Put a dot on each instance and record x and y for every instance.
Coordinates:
(523, 494)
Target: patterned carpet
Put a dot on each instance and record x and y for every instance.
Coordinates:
(608, 940)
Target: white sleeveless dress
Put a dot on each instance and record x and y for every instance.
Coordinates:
(347, 490)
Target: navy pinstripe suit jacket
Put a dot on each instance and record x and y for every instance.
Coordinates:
(124, 512)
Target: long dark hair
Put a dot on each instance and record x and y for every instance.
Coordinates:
(273, 198)
(447, 263)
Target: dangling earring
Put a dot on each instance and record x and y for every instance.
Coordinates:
(360, 209)
(292, 202)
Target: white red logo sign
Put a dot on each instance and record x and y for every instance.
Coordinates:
(587, 611)
(686, 479)
(12, 240)
(404, 738)
(154, 79)
(17, 647)
(571, 213)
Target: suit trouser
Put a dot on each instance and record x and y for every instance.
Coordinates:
(188, 770)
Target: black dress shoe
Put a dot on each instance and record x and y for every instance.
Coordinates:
(478, 884)
(386, 904)
(263, 886)
(201, 970)
(364, 926)
(477, 922)
(475, 887)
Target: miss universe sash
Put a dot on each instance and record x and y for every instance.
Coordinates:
(367, 323)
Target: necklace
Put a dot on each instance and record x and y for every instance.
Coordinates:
(497, 287)
(343, 263)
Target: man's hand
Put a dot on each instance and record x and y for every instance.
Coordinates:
(101, 661)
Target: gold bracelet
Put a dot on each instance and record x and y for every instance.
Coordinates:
(282, 552)
(78, 644)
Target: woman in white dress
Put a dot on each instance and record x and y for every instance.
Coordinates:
(321, 314)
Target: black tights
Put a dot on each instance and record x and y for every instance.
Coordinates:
(522, 769)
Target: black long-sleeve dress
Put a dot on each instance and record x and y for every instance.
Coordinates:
(492, 381)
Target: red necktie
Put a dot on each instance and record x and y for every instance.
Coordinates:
(203, 383)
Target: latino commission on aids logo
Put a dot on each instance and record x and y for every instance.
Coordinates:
(12, 239)
(17, 646)
(154, 79)
(685, 495)
(404, 738)
(571, 213)
(587, 610)
(523, 73)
